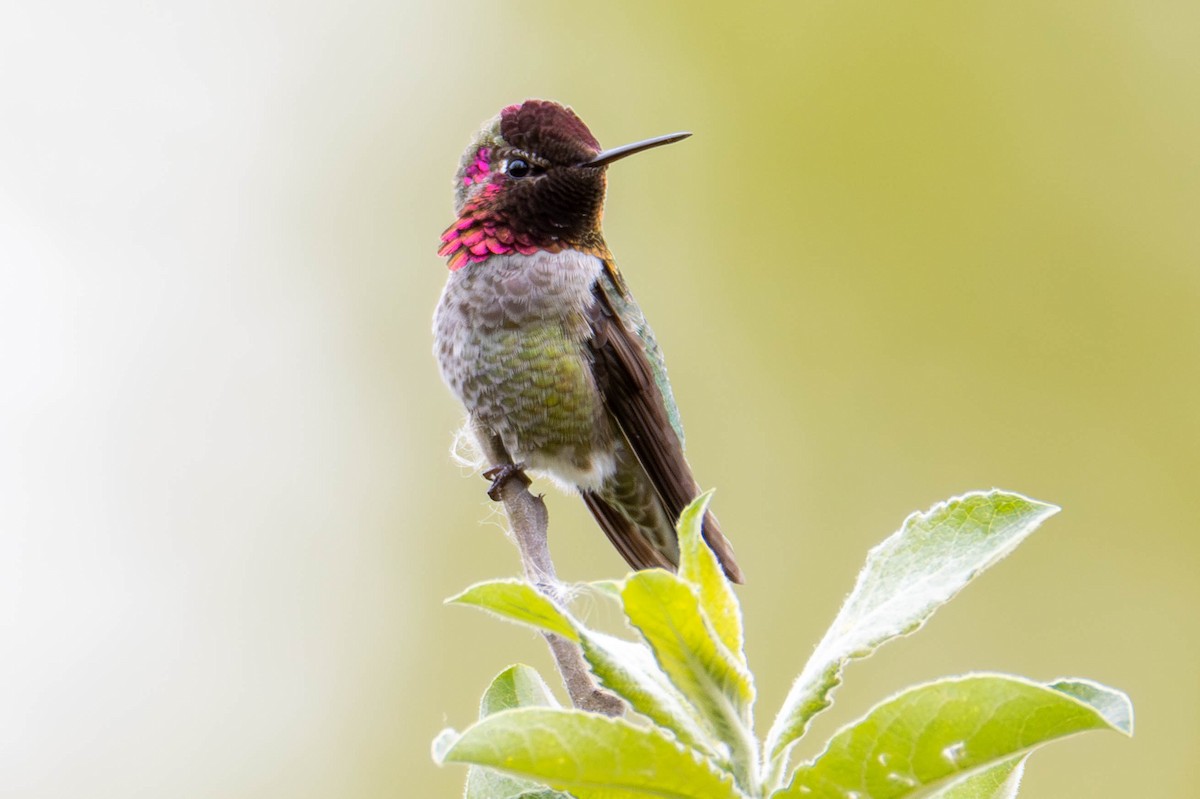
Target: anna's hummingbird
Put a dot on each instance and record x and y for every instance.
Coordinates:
(538, 335)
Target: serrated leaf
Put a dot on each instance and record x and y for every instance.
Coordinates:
(1001, 781)
(927, 737)
(520, 602)
(666, 611)
(698, 565)
(516, 686)
(592, 756)
(906, 578)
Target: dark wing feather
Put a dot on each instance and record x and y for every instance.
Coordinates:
(624, 535)
(626, 380)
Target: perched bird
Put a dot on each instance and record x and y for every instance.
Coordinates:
(538, 335)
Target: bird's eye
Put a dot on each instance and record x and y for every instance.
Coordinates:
(517, 168)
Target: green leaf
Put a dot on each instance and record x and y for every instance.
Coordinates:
(442, 743)
(625, 668)
(630, 671)
(906, 578)
(1001, 781)
(520, 602)
(486, 783)
(592, 756)
(698, 565)
(931, 735)
(666, 611)
(516, 686)
(1112, 703)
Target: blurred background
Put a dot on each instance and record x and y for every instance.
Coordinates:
(913, 249)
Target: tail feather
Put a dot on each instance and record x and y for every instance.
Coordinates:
(638, 552)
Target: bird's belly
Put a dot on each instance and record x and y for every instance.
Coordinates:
(521, 367)
(534, 389)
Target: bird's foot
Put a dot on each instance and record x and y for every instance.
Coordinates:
(499, 475)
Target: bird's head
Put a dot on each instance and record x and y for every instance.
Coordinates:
(532, 178)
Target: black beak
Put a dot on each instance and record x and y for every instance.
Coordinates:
(615, 154)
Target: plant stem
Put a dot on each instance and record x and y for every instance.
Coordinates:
(529, 521)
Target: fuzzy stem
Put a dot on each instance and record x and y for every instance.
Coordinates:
(529, 521)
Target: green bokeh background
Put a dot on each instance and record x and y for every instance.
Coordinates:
(912, 249)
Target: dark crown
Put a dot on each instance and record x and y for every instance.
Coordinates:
(549, 130)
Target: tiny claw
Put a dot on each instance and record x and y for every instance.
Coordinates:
(499, 475)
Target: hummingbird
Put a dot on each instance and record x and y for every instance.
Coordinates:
(537, 334)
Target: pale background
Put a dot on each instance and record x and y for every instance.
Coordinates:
(912, 249)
